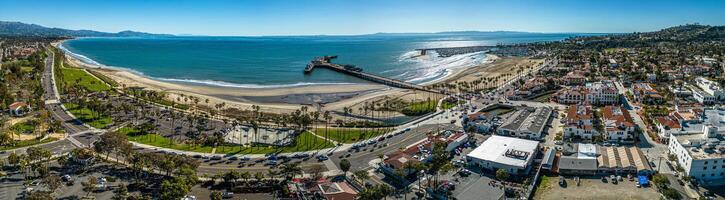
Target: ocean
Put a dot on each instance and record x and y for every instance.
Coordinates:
(279, 61)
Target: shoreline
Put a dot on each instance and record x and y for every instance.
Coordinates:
(271, 99)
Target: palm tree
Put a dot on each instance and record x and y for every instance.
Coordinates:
(327, 118)
(290, 170)
(259, 176)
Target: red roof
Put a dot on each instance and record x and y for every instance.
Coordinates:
(621, 118)
(17, 105)
(668, 121)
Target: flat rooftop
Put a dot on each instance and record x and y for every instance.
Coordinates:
(506, 150)
(700, 147)
(528, 119)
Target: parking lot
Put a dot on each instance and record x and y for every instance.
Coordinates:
(592, 188)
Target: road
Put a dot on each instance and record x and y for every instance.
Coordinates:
(53, 105)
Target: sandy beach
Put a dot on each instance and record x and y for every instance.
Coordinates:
(275, 100)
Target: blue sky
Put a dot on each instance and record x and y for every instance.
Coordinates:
(336, 17)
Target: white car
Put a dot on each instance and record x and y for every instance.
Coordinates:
(189, 197)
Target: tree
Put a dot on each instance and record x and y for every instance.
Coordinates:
(502, 174)
(89, 184)
(231, 177)
(174, 189)
(13, 159)
(290, 170)
(259, 176)
(187, 174)
(671, 193)
(52, 181)
(345, 166)
(376, 192)
(121, 193)
(245, 176)
(661, 181)
(361, 174)
(216, 195)
(39, 195)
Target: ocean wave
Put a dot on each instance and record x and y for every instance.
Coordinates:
(80, 57)
(432, 68)
(237, 85)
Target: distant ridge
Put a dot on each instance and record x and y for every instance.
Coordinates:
(23, 29)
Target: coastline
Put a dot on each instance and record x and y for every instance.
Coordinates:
(271, 99)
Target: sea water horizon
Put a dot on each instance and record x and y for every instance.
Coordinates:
(279, 61)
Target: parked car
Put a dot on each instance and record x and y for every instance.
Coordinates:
(227, 195)
(216, 157)
(271, 162)
(562, 181)
(322, 158)
(66, 178)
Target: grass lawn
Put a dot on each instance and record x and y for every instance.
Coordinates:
(304, 142)
(25, 143)
(350, 135)
(159, 141)
(420, 108)
(449, 105)
(544, 186)
(86, 116)
(71, 76)
(25, 127)
(104, 78)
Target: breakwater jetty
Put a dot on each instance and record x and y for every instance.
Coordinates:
(324, 62)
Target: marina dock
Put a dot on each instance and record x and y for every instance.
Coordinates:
(324, 62)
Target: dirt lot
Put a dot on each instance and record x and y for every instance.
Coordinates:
(592, 188)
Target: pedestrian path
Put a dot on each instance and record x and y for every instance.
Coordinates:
(75, 142)
(330, 165)
(324, 138)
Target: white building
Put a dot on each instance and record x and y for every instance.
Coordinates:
(710, 87)
(498, 152)
(701, 155)
(602, 93)
(578, 122)
(702, 96)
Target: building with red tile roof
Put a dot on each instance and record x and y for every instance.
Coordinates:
(579, 122)
(618, 124)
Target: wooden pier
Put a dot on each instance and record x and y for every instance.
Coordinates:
(324, 62)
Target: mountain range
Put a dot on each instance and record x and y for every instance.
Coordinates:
(23, 29)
